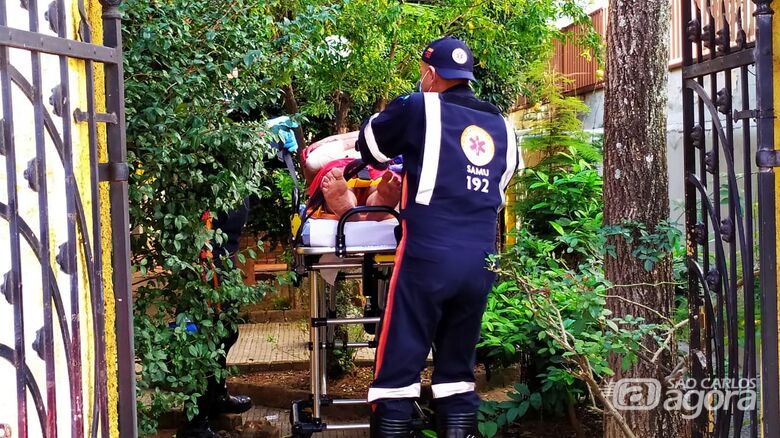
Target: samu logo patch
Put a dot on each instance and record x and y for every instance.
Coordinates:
(478, 145)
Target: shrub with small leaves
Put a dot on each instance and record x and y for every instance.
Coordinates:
(192, 148)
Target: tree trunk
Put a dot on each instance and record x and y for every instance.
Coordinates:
(291, 106)
(380, 104)
(636, 184)
(343, 104)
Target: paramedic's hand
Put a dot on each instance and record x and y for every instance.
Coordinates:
(283, 126)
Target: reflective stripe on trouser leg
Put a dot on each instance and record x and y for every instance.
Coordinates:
(441, 390)
(411, 391)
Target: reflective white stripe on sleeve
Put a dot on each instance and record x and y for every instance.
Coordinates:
(431, 149)
(512, 155)
(442, 390)
(373, 147)
(411, 391)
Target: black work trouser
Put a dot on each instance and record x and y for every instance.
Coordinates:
(231, 223)
(435, 298)
(207, 403)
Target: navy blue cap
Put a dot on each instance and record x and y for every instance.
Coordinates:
(451, 57)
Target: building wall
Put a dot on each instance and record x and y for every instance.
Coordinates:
(25, 146)
(594, 120)
(583, 72)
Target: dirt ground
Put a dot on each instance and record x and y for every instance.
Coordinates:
(354, 384)
(350, 385)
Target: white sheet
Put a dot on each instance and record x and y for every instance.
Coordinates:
(322, 233)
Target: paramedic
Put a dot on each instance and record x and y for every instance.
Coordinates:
(459, 154)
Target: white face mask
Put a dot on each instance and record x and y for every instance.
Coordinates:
(420, 86)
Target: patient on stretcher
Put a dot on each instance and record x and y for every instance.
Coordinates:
(324, 163)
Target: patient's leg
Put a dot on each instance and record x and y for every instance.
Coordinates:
(387, 193)
(338, 196)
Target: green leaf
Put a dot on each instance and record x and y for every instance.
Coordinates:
(522, 389)
(522, 408)
(488, 429)
(512, 415)
(536, 400)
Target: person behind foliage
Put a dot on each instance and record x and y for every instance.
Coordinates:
(216, 400)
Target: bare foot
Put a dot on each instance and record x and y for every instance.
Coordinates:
(387, 193)
(338, 196)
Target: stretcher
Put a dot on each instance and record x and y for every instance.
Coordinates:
(359, 250)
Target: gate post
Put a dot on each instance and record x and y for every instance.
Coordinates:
(120, 223)
(776, 82)
(766, 159)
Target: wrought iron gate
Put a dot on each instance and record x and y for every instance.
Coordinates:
(730, 207)
(59, 274)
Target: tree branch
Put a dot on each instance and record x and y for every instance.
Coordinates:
(626, 300)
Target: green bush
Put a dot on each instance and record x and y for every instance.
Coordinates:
(556, 316)
(511, 327)
(548, 309)
(192, 148)
(564, 207)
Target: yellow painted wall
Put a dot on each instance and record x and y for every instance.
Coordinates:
(25, 146)
(776, 48)
(93, 11)
(510, 218)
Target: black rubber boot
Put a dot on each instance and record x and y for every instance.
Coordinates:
(231, 404)
(457, 426)
(197, 428)
(386, 428)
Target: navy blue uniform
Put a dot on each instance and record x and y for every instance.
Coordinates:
(459, 155)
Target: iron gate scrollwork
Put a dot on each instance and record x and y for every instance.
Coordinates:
(65, 237)
(728, 137)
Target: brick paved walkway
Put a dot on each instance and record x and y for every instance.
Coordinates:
(274, 346)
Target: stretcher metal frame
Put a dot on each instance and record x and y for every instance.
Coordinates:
(306, 415)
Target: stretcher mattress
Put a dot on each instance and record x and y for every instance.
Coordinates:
(322, 233)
